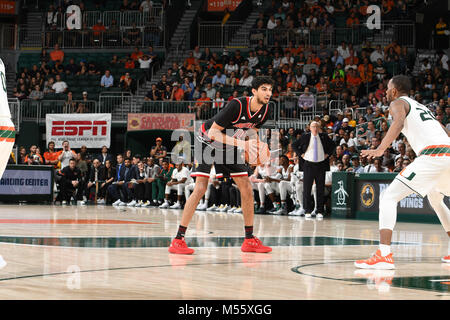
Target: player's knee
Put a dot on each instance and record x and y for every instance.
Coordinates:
(201, 186)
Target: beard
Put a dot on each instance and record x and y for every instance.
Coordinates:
(259, 100)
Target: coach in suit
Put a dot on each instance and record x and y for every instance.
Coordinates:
(313, 149)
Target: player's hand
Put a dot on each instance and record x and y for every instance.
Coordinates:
(372, 153)
(251, 146)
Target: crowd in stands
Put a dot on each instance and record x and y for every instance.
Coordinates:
(47, 80)
(105, 34)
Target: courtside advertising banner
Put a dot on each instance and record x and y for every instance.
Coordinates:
(160, 121)
(92, 130)
(26, 182)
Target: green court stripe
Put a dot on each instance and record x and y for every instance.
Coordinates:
(164, 242)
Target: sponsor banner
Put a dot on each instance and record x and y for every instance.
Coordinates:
(221, 5)
(368, 194)
(92, 130)
(7, 7)
(341, 194)
(26, 182)
(160, 121)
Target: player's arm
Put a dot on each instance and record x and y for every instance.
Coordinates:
(398, 111)
(225, 117)
(215, 133)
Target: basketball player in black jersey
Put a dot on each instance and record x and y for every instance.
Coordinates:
(223, 137)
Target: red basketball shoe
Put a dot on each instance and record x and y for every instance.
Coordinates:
(179, 246)
(254, 245)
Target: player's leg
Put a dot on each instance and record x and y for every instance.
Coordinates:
(436, 199)
(6, 145)
(201, 185)
(389, 199)
(178, 245)
(251, 243)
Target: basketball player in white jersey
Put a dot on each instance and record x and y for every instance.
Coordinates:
(428, 175)
(7, 131)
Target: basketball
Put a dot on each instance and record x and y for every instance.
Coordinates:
(263, 154)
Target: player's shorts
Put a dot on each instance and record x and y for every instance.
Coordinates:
(430, 171)
(7, 138)
(227, 163)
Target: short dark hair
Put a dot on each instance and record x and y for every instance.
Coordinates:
(127, 158)
(259, 81)
(401, 83)
(285, 157)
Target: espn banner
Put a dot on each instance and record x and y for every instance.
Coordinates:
(160, 121)
(221, 5)
(92, 130)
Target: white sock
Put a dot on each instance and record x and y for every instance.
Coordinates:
(385, 249)
(166, 201)
(206, 202)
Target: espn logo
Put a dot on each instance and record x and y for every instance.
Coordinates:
(78, 128)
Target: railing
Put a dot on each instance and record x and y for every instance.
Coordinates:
(36, 110)
(123, 19)
(336, 105)
(215, 35)
(149, 26)
(96, 39)
(8, 36)
(14, 108)
(119, 104)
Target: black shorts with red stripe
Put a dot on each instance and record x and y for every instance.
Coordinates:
(227, 163)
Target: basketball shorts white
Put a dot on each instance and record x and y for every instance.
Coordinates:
(179, 188)
(427, 173)
(7, 138)
(272, 187)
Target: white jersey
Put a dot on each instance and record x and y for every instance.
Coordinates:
(421, 128)
(4, 106)
(285, 173)
(184, 173)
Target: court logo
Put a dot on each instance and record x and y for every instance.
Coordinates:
(367, 195)
(341, 194)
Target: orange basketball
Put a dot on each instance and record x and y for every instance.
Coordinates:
(262, 158)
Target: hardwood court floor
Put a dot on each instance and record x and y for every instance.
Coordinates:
(70, 252)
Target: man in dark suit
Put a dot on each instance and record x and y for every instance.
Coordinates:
(97, 175)
(313, 149)
(114, 188)
(104, 155)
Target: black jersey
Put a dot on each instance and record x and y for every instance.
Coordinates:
(236, 118)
